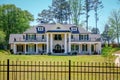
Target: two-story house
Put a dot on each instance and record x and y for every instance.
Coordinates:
(55, 39)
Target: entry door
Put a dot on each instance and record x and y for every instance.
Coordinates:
(58, 48)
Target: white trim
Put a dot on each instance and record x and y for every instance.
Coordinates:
(47, 42)
(69, 42)
(14, 48)
(65, 47)
(36, 48)
(51, 43)
(25, 48)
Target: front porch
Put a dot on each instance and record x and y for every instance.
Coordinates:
(89, 48)
(29, 49)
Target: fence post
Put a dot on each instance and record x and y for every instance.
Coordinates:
(69, 69)
(7, 69)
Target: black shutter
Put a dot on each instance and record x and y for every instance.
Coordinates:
(87, 37)
(26, 48)
(83, 47)
(86, 47)
(26, 36)
(79, 37)
(35, 47)
(35, 37)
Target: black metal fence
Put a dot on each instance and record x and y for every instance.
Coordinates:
(41, 70)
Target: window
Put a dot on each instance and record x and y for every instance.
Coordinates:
(31, 36)
(80, 37)
(43, 37)
(40, 28)
(71, 36)
(58, 27)
(57, 37)
(77, 47)
(74, 47)
(92, 48)
(85, 37)
(84, 47)
(23, 36)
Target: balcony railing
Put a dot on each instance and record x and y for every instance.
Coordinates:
(30, 40)
(86, 40)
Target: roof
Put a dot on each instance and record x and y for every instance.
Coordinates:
(95, 37)
(17, 37)
(53, 27)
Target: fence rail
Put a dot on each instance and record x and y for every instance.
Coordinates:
(69, 70)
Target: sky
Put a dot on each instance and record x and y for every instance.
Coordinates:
(36, 6)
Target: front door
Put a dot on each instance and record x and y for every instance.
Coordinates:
(58, 48)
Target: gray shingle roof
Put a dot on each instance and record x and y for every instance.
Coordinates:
(17, 37)
(50, 26)
(95, 37)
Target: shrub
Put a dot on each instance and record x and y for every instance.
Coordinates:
(68, 53)
(49, 53)
(74, 53)
(11, 51)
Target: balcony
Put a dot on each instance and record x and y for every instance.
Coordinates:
(30, 40)
(86, 40)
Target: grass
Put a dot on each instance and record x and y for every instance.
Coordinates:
(82, 58)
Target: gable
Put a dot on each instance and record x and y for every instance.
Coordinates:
(58, 28)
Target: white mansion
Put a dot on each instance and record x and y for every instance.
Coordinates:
(55, 39)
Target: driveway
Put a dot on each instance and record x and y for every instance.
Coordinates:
(117, 60)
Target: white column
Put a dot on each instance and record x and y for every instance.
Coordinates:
(79, 49)
(47, 42)
(51, 43)
(65, 43)
(69, 42)
(25, 48)
(14, 49)
(89, 49)
(36, 48)
(99, 48)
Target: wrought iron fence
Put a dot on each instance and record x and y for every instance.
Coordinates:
(68, 70)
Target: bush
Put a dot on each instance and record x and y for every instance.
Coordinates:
(19, 53)
(68, 53)
(74, 53)
(11, 51)
(49, 53)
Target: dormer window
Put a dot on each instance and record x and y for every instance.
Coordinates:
(40, 28)
(74, 29)
(58, 27)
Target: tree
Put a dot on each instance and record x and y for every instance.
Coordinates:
(76, 10)
(94, 30)
(45, 16)
(2, 39)
(13, 19)
(108, 34)
(61, 10)
(97, 4)
(87, 8)
(2, 36)
(114, 22)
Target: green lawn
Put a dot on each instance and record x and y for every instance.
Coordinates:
(82, 58)
(4, 55)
